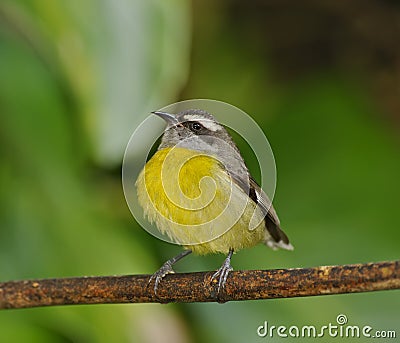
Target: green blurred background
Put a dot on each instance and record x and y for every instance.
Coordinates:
(76, 77)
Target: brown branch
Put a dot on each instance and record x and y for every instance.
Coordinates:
(197, 287)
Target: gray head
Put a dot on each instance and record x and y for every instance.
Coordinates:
(193, 129)
(198, 130)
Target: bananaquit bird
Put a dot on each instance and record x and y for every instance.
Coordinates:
(198, 191)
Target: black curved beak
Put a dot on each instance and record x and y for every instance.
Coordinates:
(168, 117)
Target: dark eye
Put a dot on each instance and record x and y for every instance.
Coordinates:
(195, 126)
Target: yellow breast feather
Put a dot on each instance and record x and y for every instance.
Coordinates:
(192, 199)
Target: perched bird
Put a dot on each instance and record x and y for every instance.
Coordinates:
(198, 191)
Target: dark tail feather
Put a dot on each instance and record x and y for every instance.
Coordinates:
(279, 238)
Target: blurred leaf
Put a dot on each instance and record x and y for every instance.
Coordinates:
(121, 59)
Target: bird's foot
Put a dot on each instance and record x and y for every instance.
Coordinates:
(223, 274)
(160, 274)
(166, 269)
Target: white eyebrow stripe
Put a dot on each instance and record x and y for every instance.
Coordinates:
(193, 117)
(207, 123)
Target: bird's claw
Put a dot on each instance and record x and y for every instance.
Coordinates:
(223, 275)
(165, 269)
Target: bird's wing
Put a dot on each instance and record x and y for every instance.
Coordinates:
(272, 224)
